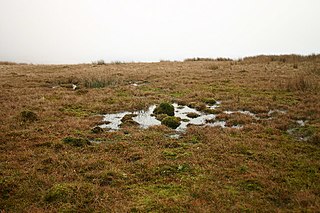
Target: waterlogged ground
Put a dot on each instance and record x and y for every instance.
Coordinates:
(256, 150)
(146, 118)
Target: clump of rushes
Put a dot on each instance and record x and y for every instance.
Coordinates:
(78, 142)
(28, 116)
(164, 108)
(172, 122)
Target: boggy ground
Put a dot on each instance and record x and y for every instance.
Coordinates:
(49, 165)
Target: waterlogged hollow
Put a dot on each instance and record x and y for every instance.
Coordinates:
(145, 118)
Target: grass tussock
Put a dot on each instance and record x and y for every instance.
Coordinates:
(28, 116)
(99, 62)
(302, 83)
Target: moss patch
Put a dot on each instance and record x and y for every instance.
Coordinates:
(164, 108)
(172, 122)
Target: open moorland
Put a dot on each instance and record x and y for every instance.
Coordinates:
(265, 157)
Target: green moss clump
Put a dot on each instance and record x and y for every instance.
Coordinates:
(78, 142)
(28, 116)
(164, 108)
(172, 122)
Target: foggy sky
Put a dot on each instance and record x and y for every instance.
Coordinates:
(81, 31)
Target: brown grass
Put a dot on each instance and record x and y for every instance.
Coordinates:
(303, 83)
(260, 167)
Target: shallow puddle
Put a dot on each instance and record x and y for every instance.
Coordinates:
(242, 112)
(145, 118)
(113, 121)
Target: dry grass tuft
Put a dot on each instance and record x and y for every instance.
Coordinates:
(99, 62)
(302, 83)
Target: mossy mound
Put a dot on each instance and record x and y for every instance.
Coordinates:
(172, 122)
(164, 108)
(78, 142)
(28, 116)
